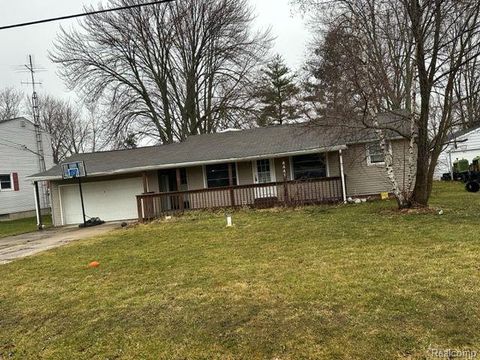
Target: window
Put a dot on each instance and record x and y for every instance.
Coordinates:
(217, 175)
(264, 174)
(375, 154)
(309, 166)
(5, 182)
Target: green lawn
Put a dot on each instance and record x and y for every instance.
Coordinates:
(347, 282)
(22, 226)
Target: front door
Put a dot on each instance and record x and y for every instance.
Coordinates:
(167, 182)
(165, 186)
(264, 173)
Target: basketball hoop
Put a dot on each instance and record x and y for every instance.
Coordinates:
(73, 170)
(76, 170)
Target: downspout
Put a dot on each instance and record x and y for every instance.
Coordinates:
(38, 210)
(342, 174)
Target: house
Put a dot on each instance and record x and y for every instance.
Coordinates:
(464, 144)
(18, 160)
(258, 167)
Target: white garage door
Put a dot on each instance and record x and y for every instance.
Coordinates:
(108, 200)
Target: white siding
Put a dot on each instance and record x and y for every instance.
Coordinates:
(15, 159)
(56, 205)
(468, 147)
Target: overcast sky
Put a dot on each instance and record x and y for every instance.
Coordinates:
(16, 44)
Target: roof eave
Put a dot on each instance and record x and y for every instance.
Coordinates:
(195, 163)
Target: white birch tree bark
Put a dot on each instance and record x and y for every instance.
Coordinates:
(403, 196)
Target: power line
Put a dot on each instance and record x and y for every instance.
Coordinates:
(83, 14)
(17, 146)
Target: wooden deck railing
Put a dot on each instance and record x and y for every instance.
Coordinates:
(289, 193)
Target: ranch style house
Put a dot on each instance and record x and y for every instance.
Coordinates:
(261, 167)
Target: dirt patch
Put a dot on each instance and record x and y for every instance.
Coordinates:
(413, 211)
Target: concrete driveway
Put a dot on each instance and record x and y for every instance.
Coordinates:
(20, 246)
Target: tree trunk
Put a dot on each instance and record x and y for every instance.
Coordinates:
(421, 191)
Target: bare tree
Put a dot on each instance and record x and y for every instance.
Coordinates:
(446, 41)
(10, 103)
(94, 116)
(70, 132)
(467, 94)
(169, 70)
(409, 48)
(349, 83)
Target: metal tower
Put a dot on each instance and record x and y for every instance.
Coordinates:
(36, 120)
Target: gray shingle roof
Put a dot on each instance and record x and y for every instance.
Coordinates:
(210, 148)
(13, 119)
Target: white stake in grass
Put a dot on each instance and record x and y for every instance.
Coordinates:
(229, 220)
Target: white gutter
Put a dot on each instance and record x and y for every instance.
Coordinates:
(342, 174)
(458, 150)
(196, 163)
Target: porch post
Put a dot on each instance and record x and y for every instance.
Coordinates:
(285, 185)
(38, 209)
(141, 216)
(145, 182)
(342, 174)
(179, 184)
(230, 183)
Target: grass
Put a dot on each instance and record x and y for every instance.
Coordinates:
(21, 226)
(351, 282)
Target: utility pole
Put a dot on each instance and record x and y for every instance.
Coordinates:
(36, 122)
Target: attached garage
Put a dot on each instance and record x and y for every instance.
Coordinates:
(109, 200)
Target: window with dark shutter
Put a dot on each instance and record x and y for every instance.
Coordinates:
(16, 186)
(5, 182)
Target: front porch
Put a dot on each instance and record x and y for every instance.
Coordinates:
(289, 181)
(288, 193)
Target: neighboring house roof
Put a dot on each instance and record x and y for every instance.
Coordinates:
(461, 133)
(14, 119)
(245, 145)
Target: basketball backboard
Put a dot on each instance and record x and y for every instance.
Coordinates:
(74, 170)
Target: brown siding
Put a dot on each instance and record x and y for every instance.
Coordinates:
(245, 174)
(363, 179)
(152, 181)
(195, 178)
(279, 168)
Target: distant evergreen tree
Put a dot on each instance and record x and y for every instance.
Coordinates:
(130, 141)
(276, 93)
(126, 141)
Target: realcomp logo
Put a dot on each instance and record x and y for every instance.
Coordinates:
(452, 353)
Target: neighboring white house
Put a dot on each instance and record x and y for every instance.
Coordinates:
(18, 160)
(464, 144)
